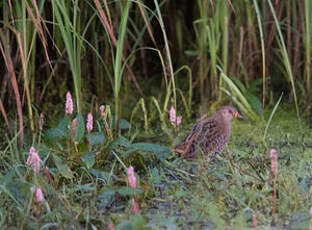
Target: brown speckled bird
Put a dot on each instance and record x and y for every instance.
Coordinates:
(209, 135)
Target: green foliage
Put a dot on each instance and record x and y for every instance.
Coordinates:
(88, 159)
(62, 167)
(60, 131)
(225, 192)
(80, 128)
(96, 138)
(246, 102)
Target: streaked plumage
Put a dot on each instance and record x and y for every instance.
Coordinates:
(209, 135)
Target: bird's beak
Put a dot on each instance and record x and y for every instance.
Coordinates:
(237, 115)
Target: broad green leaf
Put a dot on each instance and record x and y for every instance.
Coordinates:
(107, 193)
(123, 124)
(85, 187)
(239, 84)
(80, 128)
(63, 125)
(136, 222)
(255, 103)
(121, 141)
(88, 159)
(253, 85)
(97, 138)
(60, 131)
(100, 174)
(128, 191)
(62, 167)
(55, 133)
(160, 152)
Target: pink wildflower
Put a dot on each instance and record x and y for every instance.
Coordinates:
(111, 226)
(69, 104)
(33, 159)
(135, 206)
(254, 221)
(172, 115)
(74, 128)
(274, 162)
(311, 211)
(131, 177)
(102, 109)
(174, 120)
(179, 120)
(41, 121)
(89, 122)
(38, 194)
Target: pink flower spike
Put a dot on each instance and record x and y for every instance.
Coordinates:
(274, 162)
(69, 107)
(131, 177)
(179, 120)
(39, 195)
(311, 211)
(89, 122)
(172, 115)
(135, 207)
(33, 159)
(102, 109)
(111, 226)
(254, 221)
(74, 128)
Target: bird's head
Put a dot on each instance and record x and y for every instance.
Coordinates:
(229, 112)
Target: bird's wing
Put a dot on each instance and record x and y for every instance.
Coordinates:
(189, 145)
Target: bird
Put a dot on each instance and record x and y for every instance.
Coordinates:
(209, 135)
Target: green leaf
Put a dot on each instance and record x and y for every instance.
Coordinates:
(107, 193)
(62, 167)
(160, 152)
(239, 84)
(128, 191)
(97, 138)
(100, 174)
(80, 128)
(55, 133)
(255, 103)
(60, 131)
(85, 187)
(123, 124)
(136, 222)
(253, 86)
(121, 141)
(88, 159)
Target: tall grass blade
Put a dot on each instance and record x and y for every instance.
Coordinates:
(285, 57)
(262, 51)
(72, 41)
(168, 55)
(118, 59)
(271, 116)
(109, 29)
(238, 97)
